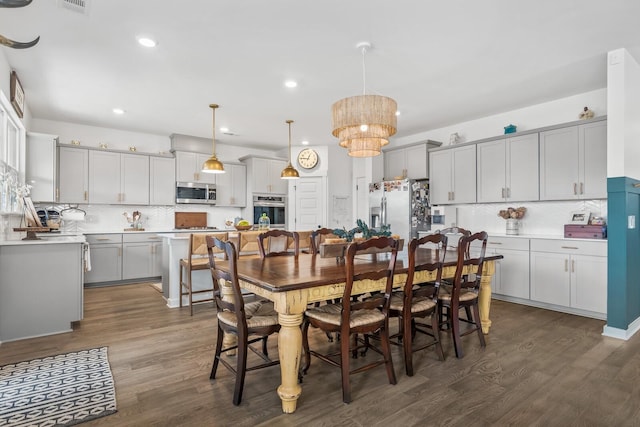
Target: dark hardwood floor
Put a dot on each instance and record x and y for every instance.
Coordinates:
(539, 368)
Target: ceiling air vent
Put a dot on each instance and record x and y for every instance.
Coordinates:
(80, 6)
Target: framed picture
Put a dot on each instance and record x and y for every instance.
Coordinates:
(580, 217)
(17, 94)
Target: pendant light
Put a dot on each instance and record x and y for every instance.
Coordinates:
(289, 172)
(364, 123)
(213, 165)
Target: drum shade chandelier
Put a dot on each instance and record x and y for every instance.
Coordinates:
(364, 123)
(289, 172)
(213, 165)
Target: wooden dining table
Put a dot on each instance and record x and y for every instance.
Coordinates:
(292, 283)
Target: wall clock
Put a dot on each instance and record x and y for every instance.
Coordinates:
(308, 158)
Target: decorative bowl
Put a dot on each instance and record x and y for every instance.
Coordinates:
(243, 227)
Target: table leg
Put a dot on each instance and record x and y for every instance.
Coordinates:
(289, 349)
(484, 296)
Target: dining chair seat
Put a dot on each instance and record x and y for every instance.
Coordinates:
(464, 296)
(332, 314)
(418, 304)
(258, 313)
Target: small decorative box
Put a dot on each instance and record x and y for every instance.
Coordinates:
(510, 129)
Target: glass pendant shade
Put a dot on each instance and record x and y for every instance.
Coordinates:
(213, 165)
(289, 172)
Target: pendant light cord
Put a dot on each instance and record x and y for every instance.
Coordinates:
(213, 129)
(364, 73)
(289, 123)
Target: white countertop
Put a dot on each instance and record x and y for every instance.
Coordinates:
(47, 239)
(542, 236)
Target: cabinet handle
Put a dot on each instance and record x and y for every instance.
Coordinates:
(453, 195)
(103, 239)
(57, 194)
(581, 188)
(508, 192)
(495, 243)
(86, 195)
(503, 196)
(566, 265)
(573, 266)
(575, 188)
(569, 247)
(119, 251)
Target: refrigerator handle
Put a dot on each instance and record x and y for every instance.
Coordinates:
(383, 210)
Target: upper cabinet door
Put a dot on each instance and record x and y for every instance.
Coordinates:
(522, 168)
(394, 164)
(104, 177)
(559, 164)
(440, 176)
(134, 179)
(73, 175)
(464, 174)
(185, 167)
(593, 139)
(162, 181)
(416, 162)
(231, 187)
(492, 171)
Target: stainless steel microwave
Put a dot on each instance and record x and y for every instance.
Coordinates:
(196, 193)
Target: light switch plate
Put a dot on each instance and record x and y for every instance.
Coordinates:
(631, 220)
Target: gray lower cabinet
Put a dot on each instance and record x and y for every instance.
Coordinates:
(142, 256)
(118, 257)
(40, 289)
(512, 272)
(106, 258)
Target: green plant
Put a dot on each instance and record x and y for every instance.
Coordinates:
(363, 228)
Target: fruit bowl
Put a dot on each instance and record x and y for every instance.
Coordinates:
(243, 227)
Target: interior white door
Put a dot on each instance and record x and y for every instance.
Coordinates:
(362, 200)
(310, 204)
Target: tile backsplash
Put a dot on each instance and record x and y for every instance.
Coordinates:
(542, 218)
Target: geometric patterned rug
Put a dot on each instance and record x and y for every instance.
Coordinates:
(61, 390)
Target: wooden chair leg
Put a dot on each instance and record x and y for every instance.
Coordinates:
(467, 310)
(181, 286)
(436, 333)
(407, 343)
(305, 346)
(476, 317)
(386, 351)
(241, 369)
(190, 290)
(264, 346)
(216, 357)
(344, 368)
(454, 316)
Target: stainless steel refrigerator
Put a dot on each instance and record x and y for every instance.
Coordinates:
(403, 205)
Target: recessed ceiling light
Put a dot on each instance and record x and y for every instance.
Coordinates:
(224, 130)
(118, 111)
(291, 84)
(305, 142)
(147, 42)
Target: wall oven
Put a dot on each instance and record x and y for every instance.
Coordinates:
(195, 192)
(274, 206)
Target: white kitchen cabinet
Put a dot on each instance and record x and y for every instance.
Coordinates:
(407, 162)
(452, 175)
(508, 169)
(189, 168)
(141, 256)
(118, 178)
(106, 258)
(162, 180)
(41, 168)
(573, 162)
(73, 175)
(265, 175)
(570, 274)
(512, 272)
(231, 187)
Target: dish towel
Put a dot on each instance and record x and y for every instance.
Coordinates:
(87, 258)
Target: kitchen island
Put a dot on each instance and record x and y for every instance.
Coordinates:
(41, 286)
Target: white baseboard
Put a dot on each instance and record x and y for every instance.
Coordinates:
(622, 334)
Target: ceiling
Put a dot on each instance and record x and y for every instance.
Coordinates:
(444, 62)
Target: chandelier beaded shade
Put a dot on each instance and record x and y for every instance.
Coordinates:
(364, 123)
(213, 165)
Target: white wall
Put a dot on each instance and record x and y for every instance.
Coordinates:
(623, 130)
(536, 116)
